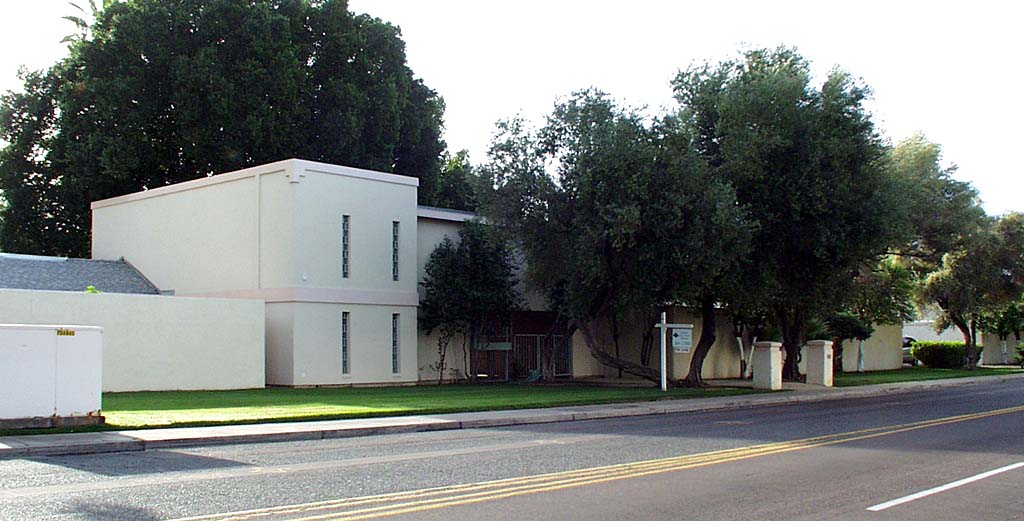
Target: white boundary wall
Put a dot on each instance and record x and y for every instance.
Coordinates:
(153, 342)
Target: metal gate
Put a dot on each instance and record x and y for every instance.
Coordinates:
(527, 349)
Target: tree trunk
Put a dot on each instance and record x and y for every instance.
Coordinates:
(965, 330)
(707, 339)
(547, 348)
(792, 339)
(442, 351)
(647, 338)
(615, 337)
(547, 357)
(974, 354)
(748, 336)
(468, 345)
(612, 361)
(837, 355)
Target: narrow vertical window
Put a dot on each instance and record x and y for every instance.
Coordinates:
(394, 250)
(344, 343)
(394, 343)
(344, 246)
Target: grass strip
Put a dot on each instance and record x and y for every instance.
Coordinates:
(915, 374)
(145, 410)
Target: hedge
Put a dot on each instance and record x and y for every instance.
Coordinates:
(939, 355)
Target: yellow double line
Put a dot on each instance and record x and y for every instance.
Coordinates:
(384, 505)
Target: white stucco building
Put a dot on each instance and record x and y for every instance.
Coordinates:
(336, 255)
(331, 250)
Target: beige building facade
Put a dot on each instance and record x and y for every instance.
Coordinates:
(336, 255)
(330, 250)
(722, 361)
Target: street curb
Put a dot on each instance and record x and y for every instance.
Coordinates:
(142, 440)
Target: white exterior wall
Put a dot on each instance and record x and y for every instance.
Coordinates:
(373, 205)
(191, 237)
(157, 343)
(430, 233)
(883, 351)
(280, 343)
(273, 233)
(925, 330)
(432, 226)
(992, 354)
(306, 347)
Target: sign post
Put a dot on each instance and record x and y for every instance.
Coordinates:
(682, 341)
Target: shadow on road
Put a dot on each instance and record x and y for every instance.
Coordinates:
(138, 463)
(109, 511)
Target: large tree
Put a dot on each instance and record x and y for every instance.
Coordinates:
(468, 284)
(162, 91)
(987, 273)
(612, 214)
(808, 165)
(454, 186)
(941, 213)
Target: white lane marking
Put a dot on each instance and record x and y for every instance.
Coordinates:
(943, 488)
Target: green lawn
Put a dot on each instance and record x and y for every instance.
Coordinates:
(193, 408)
(912, 374)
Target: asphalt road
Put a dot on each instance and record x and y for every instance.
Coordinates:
(960, 450)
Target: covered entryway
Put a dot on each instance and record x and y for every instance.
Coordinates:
(528, 350)
(513, 351)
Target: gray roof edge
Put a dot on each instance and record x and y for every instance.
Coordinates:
(142, 275)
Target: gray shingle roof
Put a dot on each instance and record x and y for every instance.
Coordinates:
(63, 274)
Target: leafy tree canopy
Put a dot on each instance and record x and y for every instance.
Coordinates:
(454, 186)
(884, 294)
(941, 212)
(611, 212)
(468, 282)
(809, 168)
(845, 325)
(468, 285)
(987, 273)
(162, 91)
(1003, 320)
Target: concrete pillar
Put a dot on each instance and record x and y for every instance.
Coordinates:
(819, 362)
(767, 365)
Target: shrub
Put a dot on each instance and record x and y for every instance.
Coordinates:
(1020, 354)
(939, 355)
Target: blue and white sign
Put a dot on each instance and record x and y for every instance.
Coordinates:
(682, 340)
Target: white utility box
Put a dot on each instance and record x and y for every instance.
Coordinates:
(50, 375)
(819, 362)
(767, 365)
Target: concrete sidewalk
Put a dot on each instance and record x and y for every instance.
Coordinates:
(139, 440)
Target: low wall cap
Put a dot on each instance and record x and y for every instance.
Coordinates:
(50, 326)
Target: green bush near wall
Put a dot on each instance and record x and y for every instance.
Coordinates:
(939, 355)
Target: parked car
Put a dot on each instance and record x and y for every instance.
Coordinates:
(908, 358)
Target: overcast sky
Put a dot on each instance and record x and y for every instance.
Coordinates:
(948, 69)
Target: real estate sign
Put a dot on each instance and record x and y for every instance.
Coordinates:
(682, 339)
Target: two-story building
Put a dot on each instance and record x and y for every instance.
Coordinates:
(336, 254)
(331, 250)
